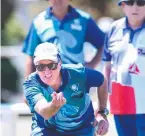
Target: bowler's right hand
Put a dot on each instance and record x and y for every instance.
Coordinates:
(58, 100)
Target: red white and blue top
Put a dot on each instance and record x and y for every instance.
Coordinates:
(125, 48)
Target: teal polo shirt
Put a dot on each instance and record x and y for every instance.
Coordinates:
(77, 112)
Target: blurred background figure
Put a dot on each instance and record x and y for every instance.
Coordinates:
(104, 24)
(69, 28)
(124, 56)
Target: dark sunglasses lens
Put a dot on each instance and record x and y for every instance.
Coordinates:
(140, 3)
(40, 67)
(129, 3)
(52, 66)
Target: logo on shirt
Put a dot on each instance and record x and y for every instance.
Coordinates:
(134, 69)
(141, 51)
(75, 87)
(76, 25)
(77, 92)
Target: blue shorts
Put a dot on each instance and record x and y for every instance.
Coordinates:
(130, 125)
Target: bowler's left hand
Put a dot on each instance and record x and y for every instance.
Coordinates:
(101, 124)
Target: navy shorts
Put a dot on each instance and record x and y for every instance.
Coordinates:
(86, 130)
(130, 125)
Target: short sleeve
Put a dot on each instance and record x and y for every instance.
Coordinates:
(94, 35)
(31, 41)
(32, 93)
(106, 53)
(93, 78)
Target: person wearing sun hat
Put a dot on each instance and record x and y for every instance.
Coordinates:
(57, 95)
(124, 57)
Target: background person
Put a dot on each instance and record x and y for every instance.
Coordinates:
(124, 69)
(69, 28)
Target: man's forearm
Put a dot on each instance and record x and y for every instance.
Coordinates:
(103, 95)
(51, 110)
(96, 60)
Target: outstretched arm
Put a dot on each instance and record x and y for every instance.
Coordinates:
(48, 109)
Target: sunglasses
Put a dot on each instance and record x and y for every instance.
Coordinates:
(50, 66)
(139, 3)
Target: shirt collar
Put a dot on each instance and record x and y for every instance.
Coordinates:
(40, 81)
(126, 25)
(72, 13)
(64, 74)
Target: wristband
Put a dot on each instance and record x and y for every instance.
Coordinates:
(104, 112)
